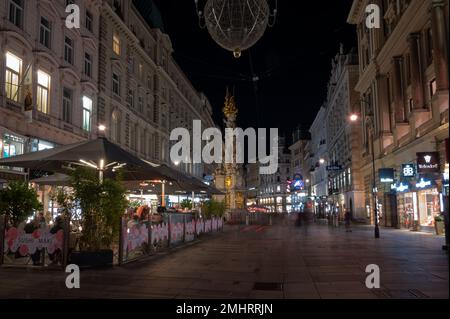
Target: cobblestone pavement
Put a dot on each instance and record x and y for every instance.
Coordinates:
(279, 261)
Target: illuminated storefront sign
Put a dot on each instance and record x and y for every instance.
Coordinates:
(400, 187)
(386, 175)
(428, 162)
(408, 170)
(297, 183)
(424, 183)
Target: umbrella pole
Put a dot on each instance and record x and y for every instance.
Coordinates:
(101, 167)
(163, 195)
(193, 199)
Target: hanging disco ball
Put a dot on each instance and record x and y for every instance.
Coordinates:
(236, 25)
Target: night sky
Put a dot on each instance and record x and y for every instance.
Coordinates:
(292, 60)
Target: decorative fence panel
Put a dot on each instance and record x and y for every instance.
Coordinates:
(176, 228)
(143, 238)
(189, 229)
(135, 239)
(32, 246)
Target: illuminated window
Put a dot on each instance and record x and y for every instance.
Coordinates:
(13, 69)
(43, 92)
(116, 44)
(87, 113)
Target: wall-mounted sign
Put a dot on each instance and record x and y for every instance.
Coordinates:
(297, 183)
(408, 170)
(402, 187)
(428, 162)
(424, 183)
(386, 175)
(333, 168)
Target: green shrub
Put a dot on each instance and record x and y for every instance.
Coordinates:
(18, 202)
(102, 204)
(213, 208)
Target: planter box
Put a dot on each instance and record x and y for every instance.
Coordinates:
(439, 226)
(94, 259)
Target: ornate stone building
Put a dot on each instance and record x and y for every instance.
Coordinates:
(403, 83)
(273, 189)
(319, 153)
(48, 76)
(300, 163)
(143, 92)
(343, 138)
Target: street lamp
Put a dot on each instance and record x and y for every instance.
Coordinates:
(322, 161)
(354, 117)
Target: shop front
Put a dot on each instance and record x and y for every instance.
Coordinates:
(419, 196)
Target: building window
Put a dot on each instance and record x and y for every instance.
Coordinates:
(67, 105)
(141, 104)
(13, 70)
(45, 32)
(116, 126)
(16, 12)
(433, 87)
(149, 82)
(131, 98)
(69, 2)
(133, 133)
(88, 64)
(88, 21)
(141, 70)
(43, 92)
(11, 145)
(116, 44)
(87, 113)
(116, 84)
(68, 50)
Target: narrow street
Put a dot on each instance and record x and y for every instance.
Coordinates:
(279, 261)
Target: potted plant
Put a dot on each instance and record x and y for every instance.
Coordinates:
(213, 208)
(18, 202)
(439, 224)
(102, 204)
(186, 204)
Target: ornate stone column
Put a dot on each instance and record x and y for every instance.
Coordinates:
(440, 44)
(416, 71)
(383, 102)
(397, 85)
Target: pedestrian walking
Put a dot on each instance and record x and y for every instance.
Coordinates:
(347, 218)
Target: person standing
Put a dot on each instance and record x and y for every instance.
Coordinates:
(347, 218)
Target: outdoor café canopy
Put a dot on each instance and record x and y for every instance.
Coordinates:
(62, 159)
(178, 182)
(98, 154)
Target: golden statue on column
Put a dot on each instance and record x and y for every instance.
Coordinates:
(229, 175)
